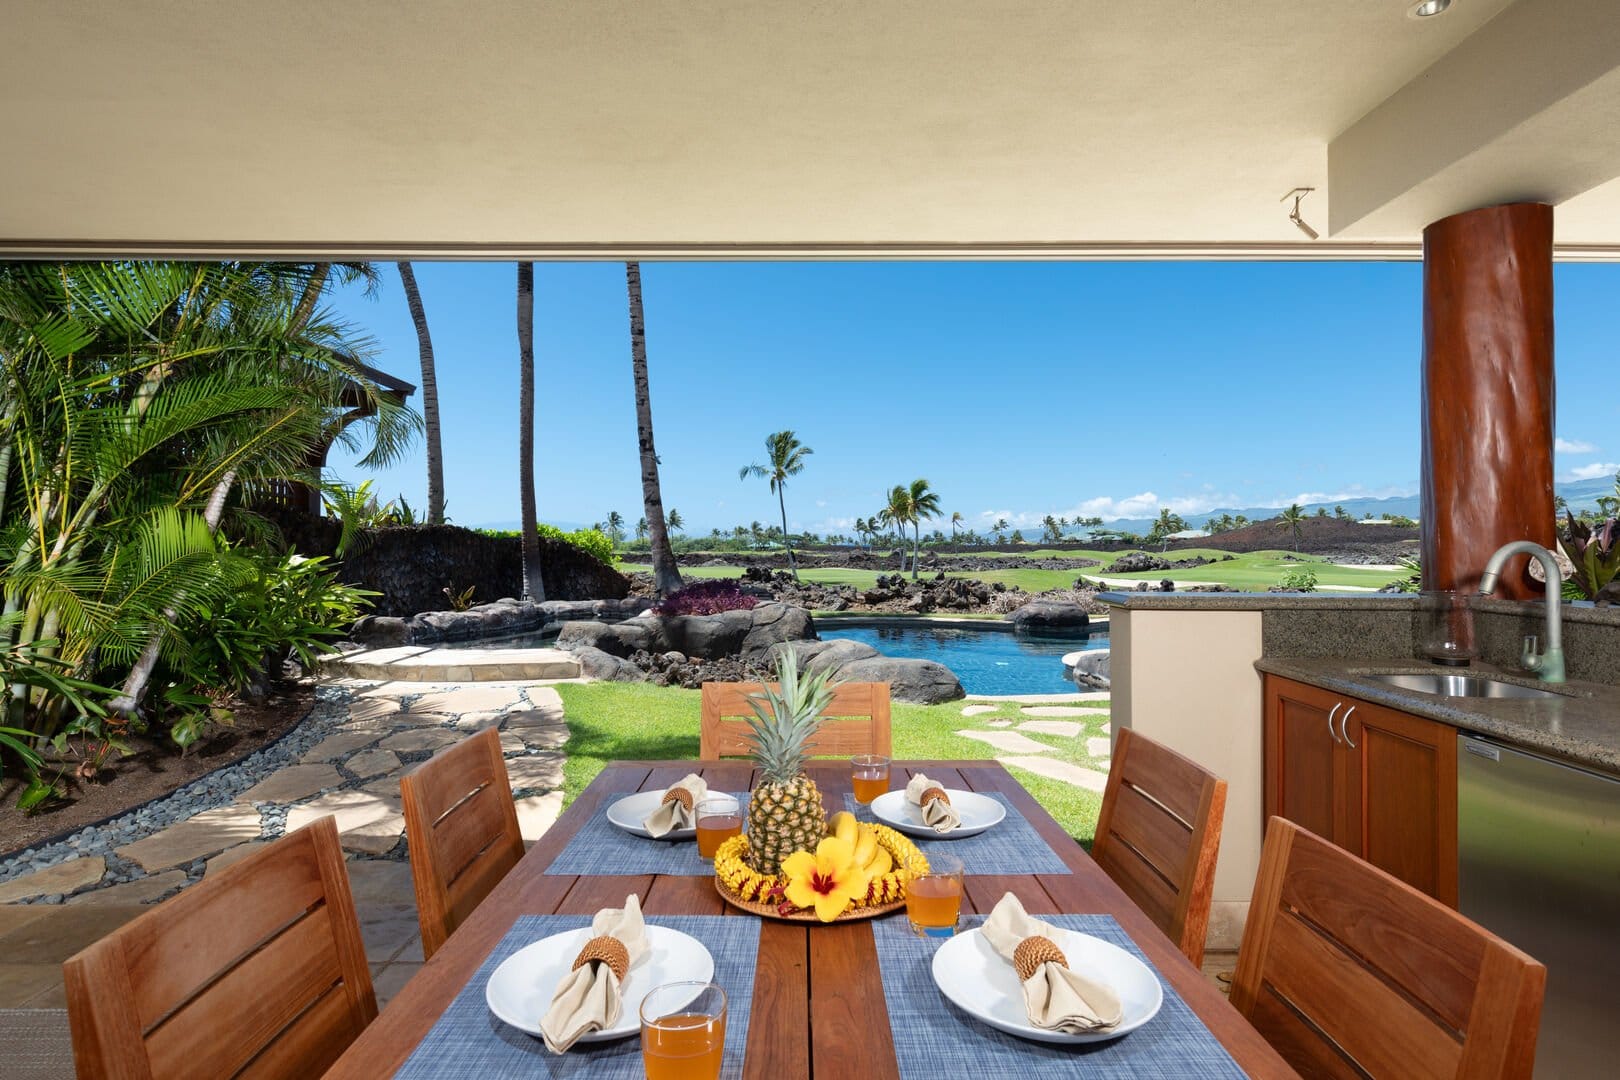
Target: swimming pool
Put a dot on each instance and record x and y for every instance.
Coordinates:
(987, 660)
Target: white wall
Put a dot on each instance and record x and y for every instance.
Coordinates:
(1187, 679)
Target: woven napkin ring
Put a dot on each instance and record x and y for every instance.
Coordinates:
(932, 793)
(680, 795)
(609, 950)
(1034, 951)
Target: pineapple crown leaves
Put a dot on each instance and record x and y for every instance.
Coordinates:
(786, 717)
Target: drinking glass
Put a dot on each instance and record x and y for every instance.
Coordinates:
(1447, 627)
(934, 899)
(870, 774)
(719, 817)
(683, 1031)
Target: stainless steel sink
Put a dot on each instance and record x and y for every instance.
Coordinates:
(1473, 686)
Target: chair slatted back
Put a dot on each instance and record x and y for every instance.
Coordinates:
(1348, 971)
(462, 829)
(859, 724)
(1159, 834)
(256, 971)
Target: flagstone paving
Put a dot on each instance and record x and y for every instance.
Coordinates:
(1009, 741)
(975, 710)
(1066, 729)
(1066, 771)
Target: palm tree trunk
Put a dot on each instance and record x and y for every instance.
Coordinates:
(312, 292)
(430, 397)
(533, 587)
(666, 575)
(916, 542)
(793, 564)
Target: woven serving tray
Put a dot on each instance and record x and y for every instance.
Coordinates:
(770, 911)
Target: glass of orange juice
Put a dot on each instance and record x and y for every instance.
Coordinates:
(870, 775)
(719, 817)
(934, 899)
(683, 1031)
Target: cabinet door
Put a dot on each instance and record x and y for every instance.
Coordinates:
(1301, 765)
(1401, 797)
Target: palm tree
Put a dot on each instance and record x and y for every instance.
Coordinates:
(642, 528)
(1049, 528)
(786, 456)
(430, 397)
(615, 526)
(666, 574)
(897, 513)
(956, 519)
(1292, 518)
(675, 523)
(534, 587)
(1000, 529)
(924, 505)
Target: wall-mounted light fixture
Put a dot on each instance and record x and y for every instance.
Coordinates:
(1293, 215)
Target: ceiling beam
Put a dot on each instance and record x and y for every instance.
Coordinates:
(1521, 111)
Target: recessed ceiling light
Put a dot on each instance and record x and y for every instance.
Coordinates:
(1424, 8)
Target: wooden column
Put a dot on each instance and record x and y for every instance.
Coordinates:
(1487, 393)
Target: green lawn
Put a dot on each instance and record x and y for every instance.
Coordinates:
(1256, 571)
(632, 721)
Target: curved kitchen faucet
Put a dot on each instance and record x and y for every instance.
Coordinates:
(1549, 665)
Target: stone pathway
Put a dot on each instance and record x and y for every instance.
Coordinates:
(1014, 728)
(345, 759)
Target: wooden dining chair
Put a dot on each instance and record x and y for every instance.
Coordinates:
(860, 723)
(462, 829)
(255, 971)
(1158, 835)
(1350, 972)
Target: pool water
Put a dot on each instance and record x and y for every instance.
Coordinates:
(987, 661)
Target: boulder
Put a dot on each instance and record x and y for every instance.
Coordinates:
(596, 664)
(918, 682)
(773, 624)
(1138, 562)
(1047, 615)
(620, 639)
(1089, 668)
(830, 654)
(381, 631)
(707, 636)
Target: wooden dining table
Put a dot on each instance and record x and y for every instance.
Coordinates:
(806, 1000)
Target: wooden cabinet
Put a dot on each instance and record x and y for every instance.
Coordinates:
(1375, 781)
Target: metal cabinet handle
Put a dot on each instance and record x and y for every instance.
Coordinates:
(1337, 705)
(1343, 720)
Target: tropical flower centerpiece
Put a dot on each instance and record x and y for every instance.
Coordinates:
(789, 857)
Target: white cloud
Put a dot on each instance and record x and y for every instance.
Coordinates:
(821, 503)
(1573, 446)
(1595, 470)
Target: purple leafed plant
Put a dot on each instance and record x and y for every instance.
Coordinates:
(706, 598)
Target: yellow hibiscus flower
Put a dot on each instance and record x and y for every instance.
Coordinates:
(828, 881)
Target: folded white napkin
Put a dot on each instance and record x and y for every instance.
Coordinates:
(937, 812)
(676, 812)
(588, 997)
(1055, 997)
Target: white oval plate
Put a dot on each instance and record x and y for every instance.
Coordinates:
(983, 985)
(978, 813)
(520, 990)
(629, 812)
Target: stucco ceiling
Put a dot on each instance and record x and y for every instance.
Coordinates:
(839, 125)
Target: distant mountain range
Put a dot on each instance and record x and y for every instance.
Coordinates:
(1580, 494)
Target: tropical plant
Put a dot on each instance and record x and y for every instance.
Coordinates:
(642, 528)
(1300, 579)
(430, 397)
(614, 526)
(534, 587)
(674, 520)
(785, 812)
(1595, 553)
(1413, 582)
(459, 601)
(1050, 529)
(706, 598)
(923, 503)
(1018, 536)
(956, 520)
(785, 455)
(1293, 518)
(1000, 529)
(136, 399)
(666, 572)
(356, 510)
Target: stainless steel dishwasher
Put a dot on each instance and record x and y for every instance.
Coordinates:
(1538, 851)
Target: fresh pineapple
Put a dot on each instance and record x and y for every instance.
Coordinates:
(784, 810)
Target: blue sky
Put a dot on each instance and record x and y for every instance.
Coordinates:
(1017, 389)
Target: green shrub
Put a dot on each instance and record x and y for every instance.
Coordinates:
(592, 542)
(1300, 579)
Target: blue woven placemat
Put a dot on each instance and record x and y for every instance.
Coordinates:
(601, 847)
(468, 1043)
(1011, 847)
(932, 1038)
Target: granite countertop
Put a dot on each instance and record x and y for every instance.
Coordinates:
(1258, 601)
(1580, 725)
